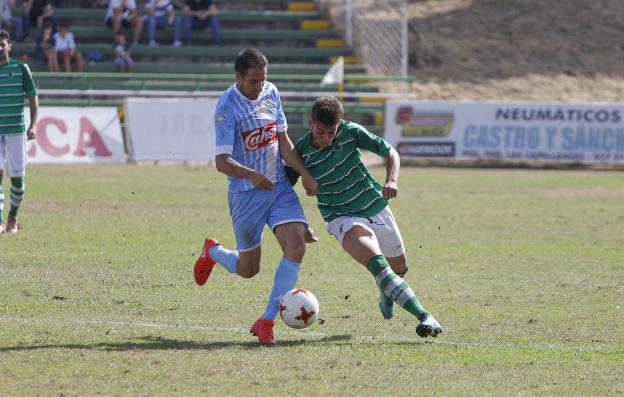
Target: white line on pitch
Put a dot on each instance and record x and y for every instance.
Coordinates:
(308, 333)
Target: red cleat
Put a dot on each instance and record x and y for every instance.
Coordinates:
(263, 329)
(204, 264)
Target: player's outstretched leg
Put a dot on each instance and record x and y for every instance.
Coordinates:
(400, 292)
(285, 279)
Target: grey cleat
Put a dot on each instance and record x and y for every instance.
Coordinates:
(428, 327)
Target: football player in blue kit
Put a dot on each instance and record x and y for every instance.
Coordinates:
(252, 144)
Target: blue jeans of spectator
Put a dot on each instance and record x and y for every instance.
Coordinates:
(160, 22)
(191, 23)
(123, 62)
(25, 25)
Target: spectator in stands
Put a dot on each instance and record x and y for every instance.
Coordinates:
(161, 14)
(65, 46)
(8, 22)
(198, 15)
(39, 11)
(45, 51)
(25, 17)
(122, 52)
(124, 14)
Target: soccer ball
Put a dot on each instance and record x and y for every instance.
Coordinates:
(299, 308)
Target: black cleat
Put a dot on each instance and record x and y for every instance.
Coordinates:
(428, 327)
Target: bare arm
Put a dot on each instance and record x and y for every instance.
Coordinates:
(33, 102)
(230, 167)
(287, 150)
(205, 13)
(393, 164)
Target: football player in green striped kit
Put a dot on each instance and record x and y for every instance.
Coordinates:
(15, 82)
(355, 205)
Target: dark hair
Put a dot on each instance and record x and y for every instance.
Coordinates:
(250, 58)
(327, 110)
(5, 35)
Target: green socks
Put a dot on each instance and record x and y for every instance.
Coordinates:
(394, 287)
(17, 194)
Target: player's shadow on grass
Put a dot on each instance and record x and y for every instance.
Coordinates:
(160, 343)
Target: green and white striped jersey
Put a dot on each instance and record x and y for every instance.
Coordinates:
(345, 187)
(16, 81)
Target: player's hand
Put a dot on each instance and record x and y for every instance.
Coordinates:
(310, 185)
(31, 133)
(390, 190)
(310, 236)
(260, 181)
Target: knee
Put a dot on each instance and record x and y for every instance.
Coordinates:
(295, 250)
(398, 264)
(247, 268)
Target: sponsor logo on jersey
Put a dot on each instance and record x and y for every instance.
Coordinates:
(260, 137)
(220, 118)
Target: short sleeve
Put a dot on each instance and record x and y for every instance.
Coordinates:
(369, 141)
(225, 127)
(282, 125)
(30, 88)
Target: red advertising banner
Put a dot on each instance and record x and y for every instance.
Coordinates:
(77, 135)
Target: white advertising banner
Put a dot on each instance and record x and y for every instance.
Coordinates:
(170, 129)
(527, 131)
(76, 135)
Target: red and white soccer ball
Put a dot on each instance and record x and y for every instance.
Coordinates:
(299, 308)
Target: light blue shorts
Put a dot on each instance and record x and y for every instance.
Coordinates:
(251, 209)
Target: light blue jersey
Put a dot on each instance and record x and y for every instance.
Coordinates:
(247, 131)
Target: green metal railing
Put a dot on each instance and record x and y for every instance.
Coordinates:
(197, 82)
(85, 89)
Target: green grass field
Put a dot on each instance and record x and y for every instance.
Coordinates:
(524, 269)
